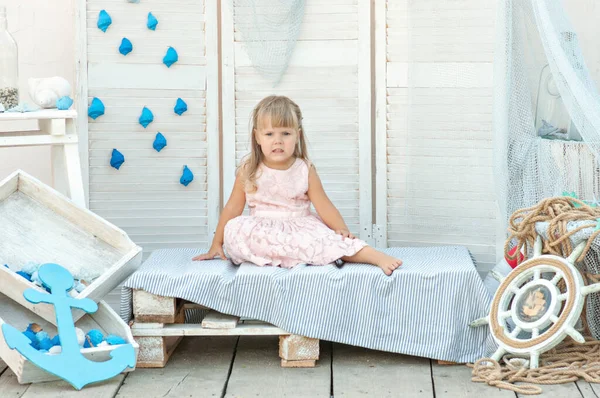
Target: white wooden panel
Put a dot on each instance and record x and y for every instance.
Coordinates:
(449, 74)
(150, 76)
(145, 197)
(434, 111)
(329, 76)
(311, 53)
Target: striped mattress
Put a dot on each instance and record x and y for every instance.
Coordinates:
(423, 309)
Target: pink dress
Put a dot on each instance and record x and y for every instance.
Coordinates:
(281, 230)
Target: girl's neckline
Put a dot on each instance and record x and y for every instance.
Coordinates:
(292, 165)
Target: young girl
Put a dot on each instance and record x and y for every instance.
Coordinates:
(279, 183)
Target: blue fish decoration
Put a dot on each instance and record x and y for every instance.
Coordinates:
(187, 176)
(152, 22)
(180, 107)
(116, 159)
(104, 20)
(126, 47)
(64, 103)
(96, 109)
(159, 142)
(170, 57)
(146, 117)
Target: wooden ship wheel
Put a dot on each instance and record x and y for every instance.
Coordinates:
(531, 311)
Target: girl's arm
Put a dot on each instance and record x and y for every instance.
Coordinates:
(233, 208)
(326, 210)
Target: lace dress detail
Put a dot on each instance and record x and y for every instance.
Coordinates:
(281, 230)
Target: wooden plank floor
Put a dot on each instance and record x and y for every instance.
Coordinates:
(248, 366)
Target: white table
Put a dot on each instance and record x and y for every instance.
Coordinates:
(56, 128)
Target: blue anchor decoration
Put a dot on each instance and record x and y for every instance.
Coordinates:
(70, 365)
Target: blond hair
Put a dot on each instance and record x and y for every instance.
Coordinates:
(280, 111)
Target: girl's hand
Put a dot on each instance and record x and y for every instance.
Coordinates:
(345, 233)
(214, 251)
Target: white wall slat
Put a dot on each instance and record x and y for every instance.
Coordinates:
(145, 197)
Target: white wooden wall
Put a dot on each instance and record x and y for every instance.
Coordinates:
(329, 77)
(434, 120)
(145, 197)
(432, 88)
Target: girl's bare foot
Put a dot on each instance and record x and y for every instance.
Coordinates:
(371, 256)
(387, 263)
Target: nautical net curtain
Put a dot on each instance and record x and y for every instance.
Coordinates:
(269, 30)
(546, 108)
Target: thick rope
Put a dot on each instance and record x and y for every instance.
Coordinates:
(557, 212)
(566, 363)
(570, 360)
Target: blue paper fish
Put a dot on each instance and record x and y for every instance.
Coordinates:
(180, 107)
(96, 108)
(126, 47)
(64, 103)
(116, 159)
(146, 117)
(159, 142)
(187, 176)
(104, 20)
(170, 57)
(152, 22)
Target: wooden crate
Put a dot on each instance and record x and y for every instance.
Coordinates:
(105, 320)
(159, 326)
(41, 225)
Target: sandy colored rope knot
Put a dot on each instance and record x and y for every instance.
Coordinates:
(557, 212)
(568, 362)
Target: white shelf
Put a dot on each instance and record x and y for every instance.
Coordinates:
(39, 115)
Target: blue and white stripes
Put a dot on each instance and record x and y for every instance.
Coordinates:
(423, 309)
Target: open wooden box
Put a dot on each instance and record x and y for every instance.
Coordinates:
(105, 320)
(39, 224)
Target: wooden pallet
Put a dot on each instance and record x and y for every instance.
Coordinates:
(159, 326)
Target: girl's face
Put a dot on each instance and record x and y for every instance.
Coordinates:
(277, 144)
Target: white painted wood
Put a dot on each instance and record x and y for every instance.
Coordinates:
(155, 76)
(37, 140)
(106, 389)
(435, 124)
(38, 115)
(228, 97)
(81, 94)
(199, 367)
(126, 85)
(257, 356)
(455, 381)
(380, 73)
(261, 329)
(105, 320)
(364, 120)
(213, 157)
(216, 320)
(41, 225)
(356, 371)
(56, 128)
(560, 390)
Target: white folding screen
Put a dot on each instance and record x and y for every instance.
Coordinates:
(144, 197)
(433, 119)
(329, 76)
(432, 84)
